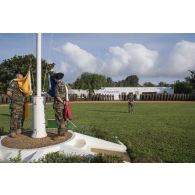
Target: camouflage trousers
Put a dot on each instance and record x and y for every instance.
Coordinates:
(130, 107)
(59, 116)
(16, 119)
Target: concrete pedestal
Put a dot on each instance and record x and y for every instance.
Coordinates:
(78, 144)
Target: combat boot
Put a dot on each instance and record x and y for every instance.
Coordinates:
(13, 134)
(18, 131)
(62, 130)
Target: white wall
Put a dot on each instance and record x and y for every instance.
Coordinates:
(135, 90)
(119, 90)
(78, 92)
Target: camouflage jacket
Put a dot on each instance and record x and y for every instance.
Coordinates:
(60, 91)
(131, 100)
(17, 98)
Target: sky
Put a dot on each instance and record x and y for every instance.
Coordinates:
(152, 57)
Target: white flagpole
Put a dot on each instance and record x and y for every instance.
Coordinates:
(39, 130)
(39, 64)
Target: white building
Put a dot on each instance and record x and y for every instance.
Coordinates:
(78, 92)
(116, 91)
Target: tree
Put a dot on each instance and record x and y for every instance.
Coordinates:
(163, 84)
(110, 83)
(9, 66)
(191, 79)
(130, 81)
(91, 81)
(182, 87)
(148, 84)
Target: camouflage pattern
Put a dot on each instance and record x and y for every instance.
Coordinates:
(16, 106)
(16, 120)
(130, 103)
(59, 116)
(59, 107)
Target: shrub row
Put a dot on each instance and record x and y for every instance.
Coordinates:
(60, 157)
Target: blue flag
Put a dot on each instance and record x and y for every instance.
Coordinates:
(51, 92)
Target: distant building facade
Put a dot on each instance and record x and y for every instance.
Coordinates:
(116, 91)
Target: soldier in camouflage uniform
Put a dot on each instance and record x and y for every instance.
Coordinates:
(130, 103)
(16, 106)
(59, 103)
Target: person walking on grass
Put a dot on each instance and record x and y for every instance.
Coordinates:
(60, 98)
(16, 106)
(130, 103)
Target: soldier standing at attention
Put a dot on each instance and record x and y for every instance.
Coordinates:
(16, 106)
(130, 103)
(60, 99)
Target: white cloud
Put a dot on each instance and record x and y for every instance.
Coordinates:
(131, 58)
(79, 58)
(182, 59)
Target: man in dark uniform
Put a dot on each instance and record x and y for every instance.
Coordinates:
(59, 103)
(16, 106)
(130, 103)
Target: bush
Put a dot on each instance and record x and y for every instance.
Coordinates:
(59, 157)
(104, 158)
(16, 159)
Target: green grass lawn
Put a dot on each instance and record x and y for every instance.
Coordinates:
(155, 132)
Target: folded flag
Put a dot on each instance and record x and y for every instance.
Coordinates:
(68, 113)
(51, 92)
(25, 84)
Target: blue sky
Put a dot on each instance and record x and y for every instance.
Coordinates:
(153, 57)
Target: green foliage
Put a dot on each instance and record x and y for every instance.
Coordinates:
(9, 66)
(59, 157)
(148, 84)
(182, 87)
(16, 159)
(91, 81)
(95, 81)
(163, 84)
(191, 79)
(130, 81)
(104, 158)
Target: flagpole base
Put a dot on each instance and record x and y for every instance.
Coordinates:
(39, 130)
